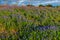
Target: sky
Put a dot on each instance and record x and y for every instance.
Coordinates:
(33, 2)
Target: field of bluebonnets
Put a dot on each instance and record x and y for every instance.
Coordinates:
(30, 23)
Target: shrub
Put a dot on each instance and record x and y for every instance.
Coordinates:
(49, 5)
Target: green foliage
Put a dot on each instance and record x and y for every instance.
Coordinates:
(28, 23)
(49, 5)
(30, 5)
(41, 5)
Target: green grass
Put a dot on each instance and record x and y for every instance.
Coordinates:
(22, 23)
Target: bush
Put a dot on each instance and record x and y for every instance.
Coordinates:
(49, 5)
(41, 5)
(30, 5)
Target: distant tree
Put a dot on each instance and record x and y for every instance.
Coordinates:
(41, 5)
(49, 5)
(30, 5)
(57, 6)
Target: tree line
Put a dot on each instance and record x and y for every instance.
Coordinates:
(49, 5)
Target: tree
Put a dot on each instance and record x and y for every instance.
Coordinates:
(49, 5)
(30, 5)
(41, 5)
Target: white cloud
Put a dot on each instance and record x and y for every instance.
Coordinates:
(54, 1)
(46, 2)
(33, 2)
(20, 1)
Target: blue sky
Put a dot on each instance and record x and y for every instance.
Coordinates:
(33, 2)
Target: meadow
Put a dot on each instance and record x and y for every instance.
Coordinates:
(29, 23)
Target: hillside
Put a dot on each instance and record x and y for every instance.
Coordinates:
(29, 23)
